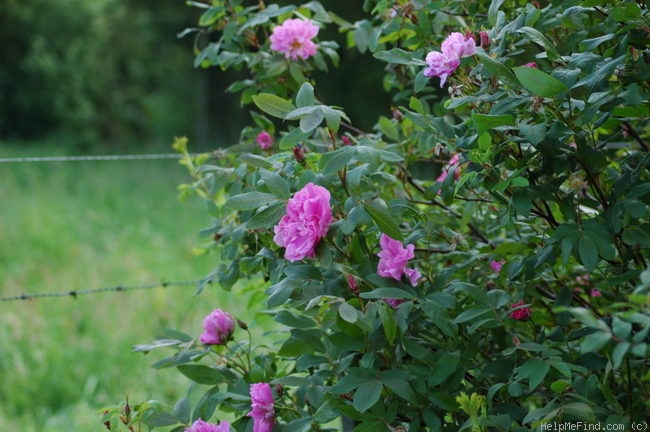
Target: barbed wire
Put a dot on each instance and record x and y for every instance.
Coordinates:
(116, 288)
(94, 158)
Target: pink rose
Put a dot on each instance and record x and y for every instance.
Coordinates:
(496, 266)
(595, 293)
(440, 65)
(264, 140)
(306, 221)
(293, 38)
(459, 46)
(521, 313)
(531, 65)
(444, 63)
(393, 259)
(217, 328)
(262, 410)
(201, 426)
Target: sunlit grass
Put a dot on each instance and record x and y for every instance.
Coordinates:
(78, 225)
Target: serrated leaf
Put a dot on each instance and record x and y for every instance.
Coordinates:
(273, 105)
(539, 82)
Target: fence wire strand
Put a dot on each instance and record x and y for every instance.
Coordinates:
(117, 288)
(93, 158)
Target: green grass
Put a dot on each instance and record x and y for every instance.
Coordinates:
(78, 225)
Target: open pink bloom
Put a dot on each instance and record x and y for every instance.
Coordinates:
(294, 39)
(440, 65)
(444, 63)
(217, 328)
(521, 314)
(262, 410)
(459, 46)
(393, 259)
(264, 140)
(496, 266)
(201, 426)
(307, 220)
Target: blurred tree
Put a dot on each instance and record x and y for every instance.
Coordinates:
(107, 71)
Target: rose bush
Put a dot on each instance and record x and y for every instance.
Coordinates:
(542, 118)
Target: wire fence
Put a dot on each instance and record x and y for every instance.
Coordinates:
(94, 158)
(116, 288)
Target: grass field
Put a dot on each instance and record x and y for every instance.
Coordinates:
(78, 225)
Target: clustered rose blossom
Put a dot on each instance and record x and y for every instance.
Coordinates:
(264, 140)
(294, 39)
(496, 266)
(306, 221)
(393, 259)
(453, 49)
(217, 328)
(454, 162)
(522, 313)
(201, 426)
(262, 411)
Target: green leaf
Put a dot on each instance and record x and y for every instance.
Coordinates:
(493, 10)
(273, 105)
(535, 370)
(472, 313)
(312, 120)
(588, 252)
(595, 341)
(388, 293)
(201, 374)
(305, 95)
(348, 313)
(498, 70)
(211, 15)
(397, 382)
(250, 200)
(399, 56)
(534, 133)
(484, 122)
(539, 38)
(267, 216)
(384, 220)
(367, 395)
(539, 82)
(334, 161)
(388, 322)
